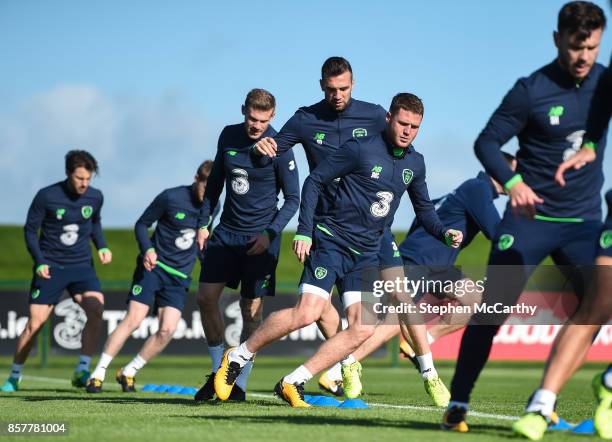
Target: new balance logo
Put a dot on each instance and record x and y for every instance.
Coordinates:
(376, 170)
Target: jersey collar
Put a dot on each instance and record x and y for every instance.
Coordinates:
(565, 79)
(394, 151)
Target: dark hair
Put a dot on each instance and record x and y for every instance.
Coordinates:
(335, 66)
(580, 18)
(260, 99)
(80, 158)
(204, 169)
(406, 101)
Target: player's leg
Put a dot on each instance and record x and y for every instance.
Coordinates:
(465, 293)
(38, 315)
(141, 298)
(92, 302)
(329, 324)
(346, 341)
(291, 387)
(168, 318)
(318, 278)
(258, 280)
(413, 329)
(208, 297)
(519, 245)
(252, 313)
(382, 334)
(384, 331)
(221, 267)
(574, 339)
(278, 324)
(170, 302)
(136, 313)
(44, 295)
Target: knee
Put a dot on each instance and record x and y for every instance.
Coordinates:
(166, 332)
(201, 299)
(34, 325)
(206, 301)
(131, 322)
(363, 332)
(305, 317)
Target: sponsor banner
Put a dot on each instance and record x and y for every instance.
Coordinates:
(530, 338)
(68, 320)
(525, 343)
(513, 342)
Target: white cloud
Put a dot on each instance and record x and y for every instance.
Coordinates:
(142, 145)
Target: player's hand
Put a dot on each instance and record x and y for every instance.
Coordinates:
(150, 260)
(260, 243)
(105, 255)
(523, 200)
(454, 238)
(43, 271)
(266, 146)
(582, 157)
(203, 235)
(301, 249)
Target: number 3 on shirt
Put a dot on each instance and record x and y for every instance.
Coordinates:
(381, 207)
(186, 239)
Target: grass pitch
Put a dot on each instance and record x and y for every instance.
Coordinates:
(399, 408)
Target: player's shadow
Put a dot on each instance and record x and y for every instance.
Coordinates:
(352, 421)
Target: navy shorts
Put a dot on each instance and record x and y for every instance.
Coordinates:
(521, 244)
(158, 288)
(331, 261)
(226, 260)
(605, 240)
(389, 254)
(75, 279)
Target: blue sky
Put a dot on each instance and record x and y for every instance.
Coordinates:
(147, 86)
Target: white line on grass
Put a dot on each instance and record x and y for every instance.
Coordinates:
(501, 417)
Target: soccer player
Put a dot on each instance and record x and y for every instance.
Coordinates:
(575, 338)
(68, 216)
(548, 112)
(321, 129)
(346, 244)
(245, 246)
(470, 209)
(162, 276)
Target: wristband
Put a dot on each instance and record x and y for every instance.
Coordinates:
(589, 145)
(40, 267)
(302, 238)
(104, 250)
(513, 181)
(448, 239)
